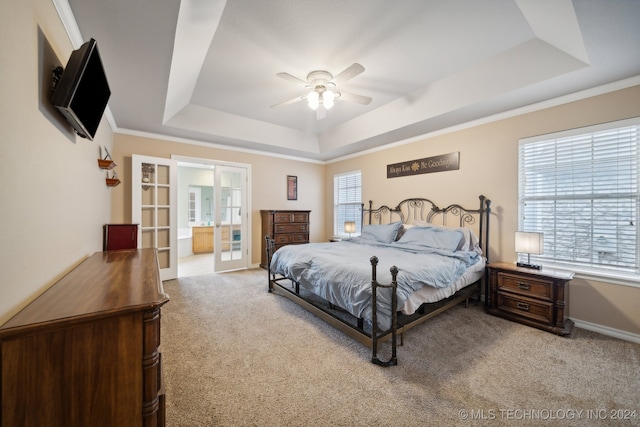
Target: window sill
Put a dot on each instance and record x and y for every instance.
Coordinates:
(630, 279)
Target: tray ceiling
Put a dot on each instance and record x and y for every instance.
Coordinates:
(206, 70)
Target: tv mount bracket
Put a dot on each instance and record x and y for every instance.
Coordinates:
(57, 74)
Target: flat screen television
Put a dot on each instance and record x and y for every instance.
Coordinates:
(82, 91)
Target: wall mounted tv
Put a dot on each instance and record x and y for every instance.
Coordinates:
(81, 92)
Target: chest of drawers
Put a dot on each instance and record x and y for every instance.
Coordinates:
(86, 351)
(285, 227)
(536, 298)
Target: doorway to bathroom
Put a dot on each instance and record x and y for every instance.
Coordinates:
(213, 216)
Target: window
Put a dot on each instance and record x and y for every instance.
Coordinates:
(580, 188)
(347, 201)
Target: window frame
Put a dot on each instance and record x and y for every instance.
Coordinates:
(610, 274)
(354, 206)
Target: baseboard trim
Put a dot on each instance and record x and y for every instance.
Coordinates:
(605, 330)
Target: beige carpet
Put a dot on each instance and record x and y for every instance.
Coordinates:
(236, 355)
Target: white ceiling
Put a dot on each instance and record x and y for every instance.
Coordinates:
(206, 70)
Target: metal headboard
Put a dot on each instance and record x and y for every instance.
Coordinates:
(410, 211)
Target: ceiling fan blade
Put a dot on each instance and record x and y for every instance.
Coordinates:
(359, 99)
(289, 101)
(348, 74)
(293, 79)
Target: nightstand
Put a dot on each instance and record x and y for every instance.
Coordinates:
(535, 298)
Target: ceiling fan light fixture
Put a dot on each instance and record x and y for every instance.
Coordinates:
(328, 97)
(313, 99)
(322, 89)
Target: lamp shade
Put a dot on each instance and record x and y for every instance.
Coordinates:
(349, 227)
(528, 242)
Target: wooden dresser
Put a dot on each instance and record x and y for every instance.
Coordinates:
(85, 352)
(536, 298)
(285, 227)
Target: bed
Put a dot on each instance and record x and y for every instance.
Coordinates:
(410, 263)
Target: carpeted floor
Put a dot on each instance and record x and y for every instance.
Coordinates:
(236, 355)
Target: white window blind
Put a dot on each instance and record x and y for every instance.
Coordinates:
(347, 201)
(580, 188)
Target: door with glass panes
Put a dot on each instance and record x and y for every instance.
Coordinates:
(231, 218)
(153, 208)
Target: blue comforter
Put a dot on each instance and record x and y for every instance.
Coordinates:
(340, 272)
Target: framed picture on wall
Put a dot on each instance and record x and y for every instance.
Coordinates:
(292, 187)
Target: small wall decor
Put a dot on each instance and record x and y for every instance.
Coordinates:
(441, 163)
(292, 187)
(106, 162)
(113, 181)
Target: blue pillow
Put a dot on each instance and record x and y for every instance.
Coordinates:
(383, 233)
(438, 238)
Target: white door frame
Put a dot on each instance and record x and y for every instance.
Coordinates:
(246, 216)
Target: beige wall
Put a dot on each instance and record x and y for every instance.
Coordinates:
(54, 200)
(268, 183)
(489, 166)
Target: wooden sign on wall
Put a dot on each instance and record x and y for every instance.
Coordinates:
(444, 162)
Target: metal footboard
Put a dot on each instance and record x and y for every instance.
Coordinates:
(374, 314)
(277, 282)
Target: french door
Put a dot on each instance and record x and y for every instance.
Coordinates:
(153, 205)
(231, 217)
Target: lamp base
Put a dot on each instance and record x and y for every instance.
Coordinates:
(531, 266)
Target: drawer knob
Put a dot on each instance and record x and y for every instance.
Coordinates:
(524, 286)
(523, 306)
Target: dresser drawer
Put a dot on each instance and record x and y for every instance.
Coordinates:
(291, 228)
(282, 217)
(299, 238)
(539, 311)
(282, 238)
(536, 288)
(288, 217)
(300, 217)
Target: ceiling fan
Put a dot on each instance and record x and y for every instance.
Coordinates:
(322, 89)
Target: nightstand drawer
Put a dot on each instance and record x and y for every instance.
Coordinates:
(539, 311)
(536, 298)
(536, 288)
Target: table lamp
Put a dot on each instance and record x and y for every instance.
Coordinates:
(528, 242)
(349, 227)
